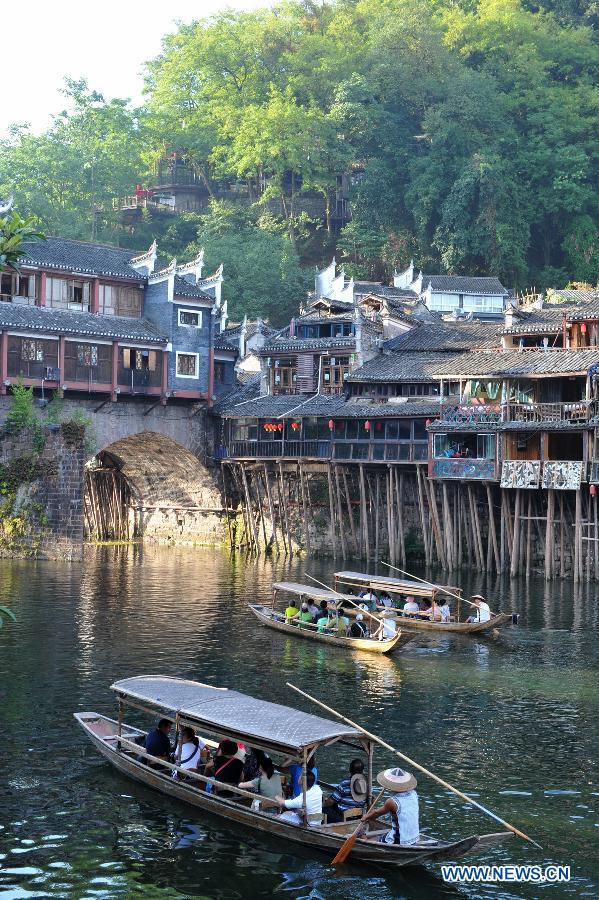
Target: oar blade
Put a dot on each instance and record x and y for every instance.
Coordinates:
(348, 846)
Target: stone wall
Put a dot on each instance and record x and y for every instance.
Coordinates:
(42, 493)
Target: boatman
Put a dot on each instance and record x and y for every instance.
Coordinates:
(482, 612)
(403, 808)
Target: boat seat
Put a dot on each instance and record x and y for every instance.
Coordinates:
(353, 813)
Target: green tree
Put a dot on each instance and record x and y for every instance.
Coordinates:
(14, 230)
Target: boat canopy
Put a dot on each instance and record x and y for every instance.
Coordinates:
(231, 714)
(395, 585)
(313, 593)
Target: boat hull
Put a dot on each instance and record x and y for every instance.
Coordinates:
(96, 727)
(264, 615)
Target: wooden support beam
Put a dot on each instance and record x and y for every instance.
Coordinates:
(425, 533)
(516, 536)
(492, 528)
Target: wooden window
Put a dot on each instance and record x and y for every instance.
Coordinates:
(335, 371)
(187, 365)
(116, 300)
(17, 286)
(87, 355)
(190, 317)
(139, 359)
(63, 294)
(284, 375)
(32, 351)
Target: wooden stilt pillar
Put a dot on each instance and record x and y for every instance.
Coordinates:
(304, 509)
(340, 515)
(425, 532)
(492, 529)
(350, 512)
(364, 514)
(447, 528)
(332, 508)
(377, 516)
(577, 539)
(399, 485)
(549, 535)
(516, 538)
(271, 510)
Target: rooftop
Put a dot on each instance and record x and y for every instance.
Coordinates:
(464, 284)
(56, 321)
(517, 363)
(398, 366)
(447, 336)
(185, 288)
(235, 715)
(286, 343)
(85, 258)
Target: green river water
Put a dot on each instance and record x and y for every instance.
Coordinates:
(512, 720)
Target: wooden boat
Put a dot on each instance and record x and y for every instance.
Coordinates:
(272, 619)
(278, 730)
(400, 588)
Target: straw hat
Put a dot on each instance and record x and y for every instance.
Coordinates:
(476, 597)
(358, 787)
(397, 780)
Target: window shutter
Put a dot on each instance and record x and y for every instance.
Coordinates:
(126, 358)
(305, 373)
(86, 293)
(31, 288)
(152, 361)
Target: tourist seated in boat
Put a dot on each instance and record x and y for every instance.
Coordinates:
(403, 808)
(314, 610)
(343, 624)
(323, 622)
(444, 611)
(482, 612)
(267, 783)
(411, 606)
(157, 742)
(194, 752)
(358, 627)
(304, 615)
(293, 808)
(226, 767)
(371, 600)
(349, 793)
(294, 770)
(292, 612)
(385, 600)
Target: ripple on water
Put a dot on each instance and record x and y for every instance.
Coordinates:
(480, 713)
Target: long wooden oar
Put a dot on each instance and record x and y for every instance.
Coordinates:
(348, 846)
(439, 587)
(411, 762)
(346, 598)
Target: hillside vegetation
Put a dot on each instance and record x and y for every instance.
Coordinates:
(470, 130)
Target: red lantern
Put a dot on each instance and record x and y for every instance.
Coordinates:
(583, 328)
(331, 424)
(367, 425)
(280, 426)
(593, 490)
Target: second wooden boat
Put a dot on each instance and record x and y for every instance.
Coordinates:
(400, 588)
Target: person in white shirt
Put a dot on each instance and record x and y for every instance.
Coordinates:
(194, 751)
(444, 611)
(370, 599)
(313, 804)
(403, 808)
(410, 606)
(386, 601)
(482, 612)
(386, 631)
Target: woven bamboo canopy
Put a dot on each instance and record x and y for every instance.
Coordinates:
(238, 716)
(312, 593)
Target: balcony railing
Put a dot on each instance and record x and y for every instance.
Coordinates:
(316, 448)
(18, 300)
(466, 469)
(575, 412)
(578, 411)
(561, 475)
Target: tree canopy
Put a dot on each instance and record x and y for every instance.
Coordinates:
(466, 131)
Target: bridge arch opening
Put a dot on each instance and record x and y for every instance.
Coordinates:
(147, 486)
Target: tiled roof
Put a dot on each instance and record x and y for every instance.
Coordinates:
(572, 295)
(547, 320)
(57, 321)
(448, 336)
(515, 363)
(286, 344)
(184, 288)
(80, 256)
(464, 284)
(363, 288)
(395, 366)
(295, 406)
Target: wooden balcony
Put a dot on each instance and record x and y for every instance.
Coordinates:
(578, 411)
(464, 469)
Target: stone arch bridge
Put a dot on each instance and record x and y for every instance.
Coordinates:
(147, 472)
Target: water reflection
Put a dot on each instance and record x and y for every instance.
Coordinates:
(511, 719)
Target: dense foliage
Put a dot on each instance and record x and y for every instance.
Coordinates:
(469, 130)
